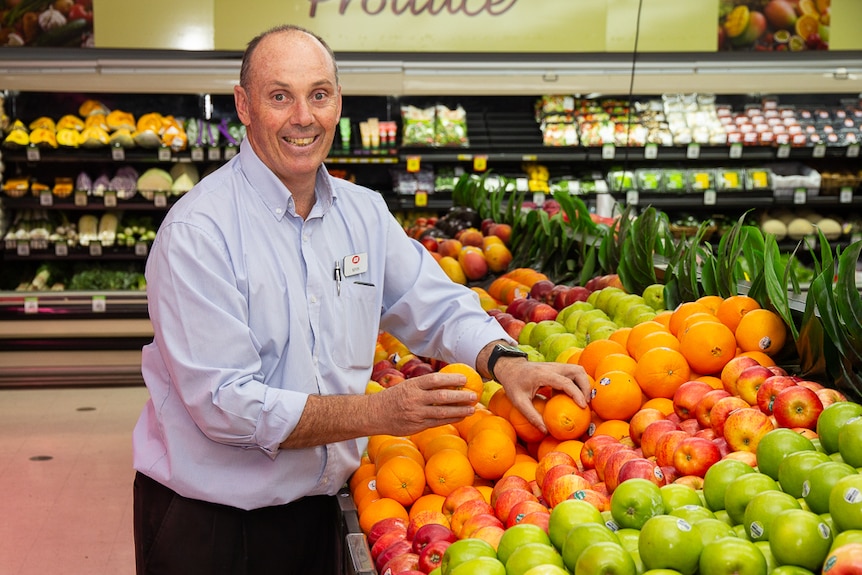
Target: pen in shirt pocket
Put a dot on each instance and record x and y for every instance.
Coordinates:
(364, 283)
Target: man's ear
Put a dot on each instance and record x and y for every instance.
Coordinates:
(240, 99)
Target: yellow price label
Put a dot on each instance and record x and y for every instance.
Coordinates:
(413, 163)
(480, 163)
(420, 200)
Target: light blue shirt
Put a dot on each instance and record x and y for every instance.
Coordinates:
(249, 321)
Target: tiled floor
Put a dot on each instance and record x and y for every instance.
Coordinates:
(66, 480)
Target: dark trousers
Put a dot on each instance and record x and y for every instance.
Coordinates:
(175, 535)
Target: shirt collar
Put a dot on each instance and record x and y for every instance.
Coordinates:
(274, 194)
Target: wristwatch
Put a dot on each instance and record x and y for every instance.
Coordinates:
(502, 350)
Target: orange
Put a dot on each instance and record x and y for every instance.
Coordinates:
(661, 371)
(654, 339)
(570, 355)
(808, 24)
(427, 502)
(713, 381)
(366, 500)
(401, 478)
(397, 449)
(616, 362)
(375, 442)
(708, 346)
(381, 509)
(447, 470)
(526, 431)
(474, 380)
(485, 490)
(594, 351)
(663, 317)
(492, 422)
(640, 331)
(621, 335)
(731, 310)
(525, 469)
(682, 311)
(364, 471)
(572, 447)
(500, 404)
(711, 301)
(491, 452)
(695, 318)
(455, 442)
(761, 330)
(422, 438)
(616, 428)
(663, 404)
(760, 357)
(366, 487)
(616, 395)
(549, 443)
(464, 425)
(564, 418)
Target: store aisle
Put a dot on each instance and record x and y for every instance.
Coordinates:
(66, 480)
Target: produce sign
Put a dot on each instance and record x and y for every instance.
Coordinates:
(61, 23)
(774, 25)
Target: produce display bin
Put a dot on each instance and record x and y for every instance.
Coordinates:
(357, 555)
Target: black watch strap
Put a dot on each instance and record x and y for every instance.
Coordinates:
(502, 350)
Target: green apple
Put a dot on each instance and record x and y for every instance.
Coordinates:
(832, 419)
(604, 296)
(483, 565)
(794, 469)
(636, 315)
(601, 329)
(692, 513)
(543, 329)
(731, 555)
(845, 537)
(850, 442)
(721, 515)
(778, 444)
(763, 547)
(605, 558)
(518, 535)
(762, 509)
(464, 550)
(654, 297)
(801, 538)
(556, 343)
(546, 570)
(718, 477)
(582, 536)
(711, 529)
(620, 306)
(791, 570)
(634, 501)
(845, 503)
(563, 314)
(742, 489)
(628, 538)
(524, 335)
(676, 495)
(822, 478)
(572, 318)
(670, 542)
(529, 555)
(569, 513)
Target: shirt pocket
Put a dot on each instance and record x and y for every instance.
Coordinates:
(357, 321)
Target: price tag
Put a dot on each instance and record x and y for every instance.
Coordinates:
(110, 199)
(413, 163)
(735, 150)
(709, 197)
(853, 151)
(529, 158)
(197, 154)
(31, 304)
(651, 151)
(46, 198)
(80, 198)
(464, 157)
(164, 154)
(33, 154)
(480, 163)
(23, 249)
(61, 249)
(538, 198)
(10, 244)
(420, 200)
(632, 197)
(609, 151)
(39, 244)
(845, 196)
(692, 152)
(800, 196)
(783, 151)
(819, 151)
(160, 199)
(98, 304)
(229, 152)
(214, 154)
(522, 184)
(493, 184)
(574, 186)
(118, 154)
(141, 249)
(96, 249)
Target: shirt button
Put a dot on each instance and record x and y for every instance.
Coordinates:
(313, 299)
(279, 211)
(305, 238)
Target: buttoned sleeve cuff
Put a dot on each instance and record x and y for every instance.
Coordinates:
(278, 418)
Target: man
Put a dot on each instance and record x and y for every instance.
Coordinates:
(267, 286)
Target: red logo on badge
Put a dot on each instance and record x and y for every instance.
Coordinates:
(355, 259)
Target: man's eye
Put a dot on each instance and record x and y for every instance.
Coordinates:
(280, 98)
(319, 96)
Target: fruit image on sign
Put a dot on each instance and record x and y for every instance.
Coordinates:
(774, 25)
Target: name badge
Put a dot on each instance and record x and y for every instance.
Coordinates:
(355, 264)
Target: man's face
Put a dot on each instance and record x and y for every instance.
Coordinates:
(291, 106)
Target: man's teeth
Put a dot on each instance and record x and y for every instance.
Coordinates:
(300, 141)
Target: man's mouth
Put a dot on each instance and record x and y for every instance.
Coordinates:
(299, 141)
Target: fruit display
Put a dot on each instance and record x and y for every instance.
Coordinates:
(779, 25)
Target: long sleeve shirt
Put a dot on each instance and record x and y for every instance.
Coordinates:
(249, 318)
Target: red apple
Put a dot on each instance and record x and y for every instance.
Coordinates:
(687, 396)
(591, 476)
(639, 421)
(694, 455)
(828, 396)
(508, 482)
(390, 377)
(539, 290)
(745, 427)
(666, 446)
(557, 296)
(603, 455)
(693, 481)
(508, 499)
(476, 522)
(429, 533)
(722, 408)
(744, 456)
(750, 380)
(706, 433)
(722, 445)
(670, 473)
(458, 496)
(555, 472)
(521, 510)
(423, 518)
(542, 312)
(385, 525)
(502, 231)
(538, 518)
(797, 406)
(564, 487)
(552, 459)
(520, 307)
(812, 385)
(397, 548)
(642, 467)
(702, 412)
(690, 426)
(387, 540)
(769, 391)
(653, 433)
(777, 370)
(591, 447)
(576, 293)
(431, 555)
(401, 563)
(466, 510)
(731, 370)
(490, 534)
(615, 463)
